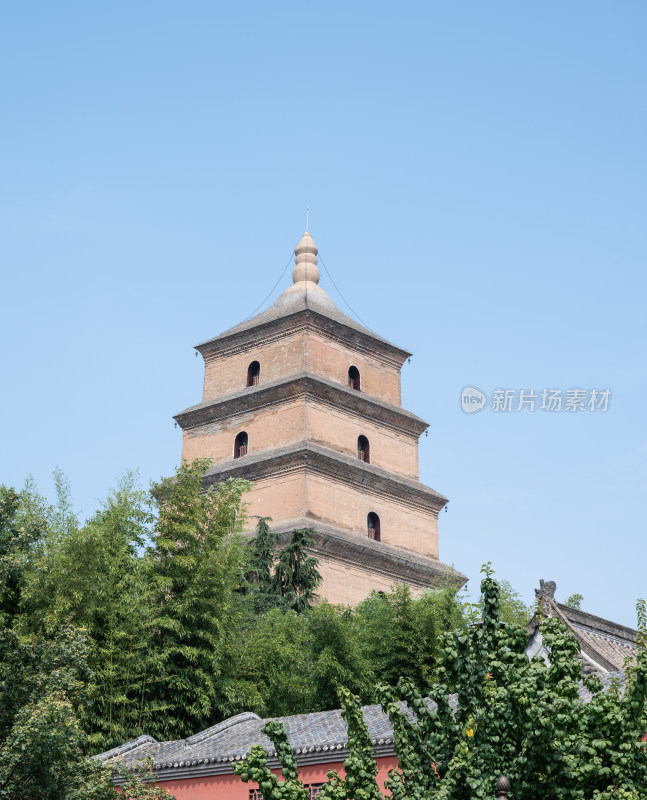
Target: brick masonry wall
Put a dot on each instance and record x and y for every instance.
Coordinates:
(302, 493)
(280, 425)
(349, 584)
(282, 497)
(389, 449)
(332, 360)
(230, 787)
(299, 352)
(344, 506)
(287, 497)
(266, 429)
(228, 374)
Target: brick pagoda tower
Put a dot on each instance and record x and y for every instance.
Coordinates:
(306, 403)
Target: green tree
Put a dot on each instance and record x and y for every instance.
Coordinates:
(19, 535)
(512, 609)
(93, 577)
(574, 601)
(262, 553)
(336, 657)
(281, 662)
(139, 783)
(296, 576)
(360, 768)
(193, 568)
(43, 690)
(42, 743)
(255, 768)
(268, 665)
(276, 577)
(411, 626)
(390, 617)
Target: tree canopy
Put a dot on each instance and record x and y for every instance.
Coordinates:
(157, 616)
(507, 715)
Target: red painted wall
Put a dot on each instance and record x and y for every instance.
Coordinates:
(230, 787)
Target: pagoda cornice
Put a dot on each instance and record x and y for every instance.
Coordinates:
(331, 464)
(275, 324)
(302, 385)
(352, 550)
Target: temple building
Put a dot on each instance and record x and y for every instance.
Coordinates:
(306, 403)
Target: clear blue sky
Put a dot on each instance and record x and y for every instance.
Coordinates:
(476, 174)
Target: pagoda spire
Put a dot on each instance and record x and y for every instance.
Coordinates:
(305, 257)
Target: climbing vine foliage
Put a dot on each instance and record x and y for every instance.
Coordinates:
(556, 734)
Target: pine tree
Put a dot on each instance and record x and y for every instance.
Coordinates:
(296, 576)
(262, 554)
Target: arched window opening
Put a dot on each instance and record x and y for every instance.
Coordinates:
(253, 373)
(353, 378)
(363, 449)
(240, 445)
(373, 526)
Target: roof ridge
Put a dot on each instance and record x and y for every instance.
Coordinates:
(219, 727)
(573, 614)
(127, 747)
(310, 306)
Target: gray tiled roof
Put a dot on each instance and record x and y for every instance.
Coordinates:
(608, 679)
(321, 731)
(604, 641)
(318, 737)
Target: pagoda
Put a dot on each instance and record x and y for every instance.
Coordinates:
(306, 403)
